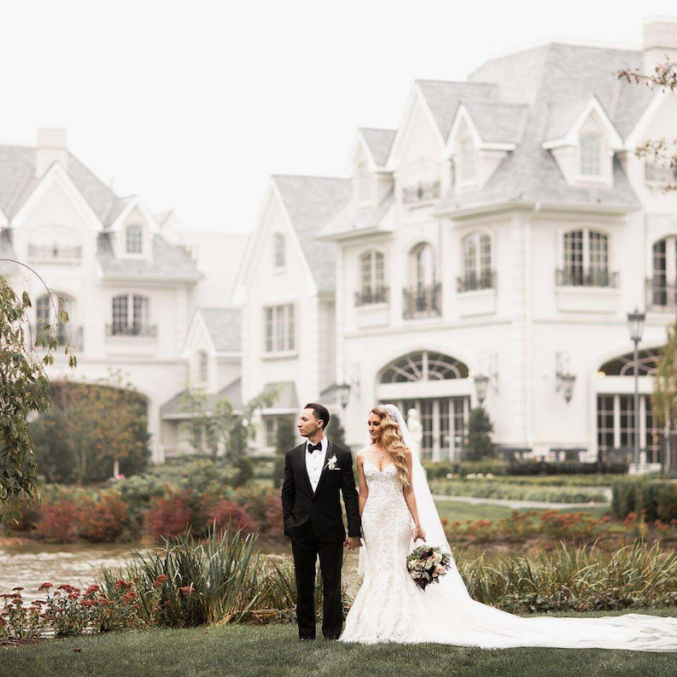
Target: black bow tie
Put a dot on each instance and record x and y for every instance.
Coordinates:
(314, 447)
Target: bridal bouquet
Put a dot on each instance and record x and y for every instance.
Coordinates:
(426, 564)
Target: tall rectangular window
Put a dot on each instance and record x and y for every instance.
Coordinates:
(280, 328)
(573, 256)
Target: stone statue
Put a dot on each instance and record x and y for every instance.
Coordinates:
(415, 429)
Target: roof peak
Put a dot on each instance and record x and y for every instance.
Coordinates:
(570, 42)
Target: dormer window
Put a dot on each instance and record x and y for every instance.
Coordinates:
(468, 169)
(134, 239)
(363, 185)
(203, 365)
(590, 151)
(280, 251)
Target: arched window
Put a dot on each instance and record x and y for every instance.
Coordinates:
(477, 270)
(590, 150)
(134, 239)
(422, 297)
(422, 266)
(586, 260)
(624, 365)
(662, 287)
(363, 182)
(468, 169)
(280, 253)
(372, 279)
(130, 316)
(423, 366)
(203, 366)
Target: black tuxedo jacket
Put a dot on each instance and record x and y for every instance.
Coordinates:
(302, 508)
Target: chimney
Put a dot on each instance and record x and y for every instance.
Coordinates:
(51, 147)
(660, 38)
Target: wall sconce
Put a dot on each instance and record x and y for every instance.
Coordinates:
(343, 394)
(565, 379)
(488, 373)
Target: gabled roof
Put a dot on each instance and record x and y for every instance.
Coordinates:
(443, 97)
(166, 263)
(309, 202)
(497, 122)
(18, 181)
(224, 326)
(553, 79)
(172, 409)
(379, 142)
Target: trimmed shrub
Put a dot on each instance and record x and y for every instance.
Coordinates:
(168, 516)
(104, 520)
(656, 499)
(225, 513)
(60, 522)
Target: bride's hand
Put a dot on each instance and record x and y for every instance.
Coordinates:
(419, 533)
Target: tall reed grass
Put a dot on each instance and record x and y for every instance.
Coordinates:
(221, 579)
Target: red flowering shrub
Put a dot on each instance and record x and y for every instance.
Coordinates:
(103, 520)
(60, 522)
(274, 518)
(168, 516)
(226, 512)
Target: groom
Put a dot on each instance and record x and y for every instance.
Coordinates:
(315, 473)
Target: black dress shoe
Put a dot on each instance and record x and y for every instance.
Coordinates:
(331, 639)
(307, 639)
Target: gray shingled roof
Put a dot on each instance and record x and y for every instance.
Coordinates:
(498, 122)
(349, 218)
(443, 98)
(548, 77)
(224, 326)
(233, 392)
(167, 262)
(379, 142)
(310, 201)
(18, 181)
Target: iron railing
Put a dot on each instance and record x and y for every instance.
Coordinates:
(661, 294)
(422, 301)
(421, 192)
(133, 329)
(472, 281)
(594, 277)
(54, 251)
(371, 295)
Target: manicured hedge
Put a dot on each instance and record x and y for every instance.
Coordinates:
(657, 498)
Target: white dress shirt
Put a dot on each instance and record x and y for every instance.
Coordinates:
(315, 461)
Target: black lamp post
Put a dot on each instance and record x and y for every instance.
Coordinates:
(635, 328)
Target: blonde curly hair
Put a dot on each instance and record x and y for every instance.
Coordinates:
(391, 439)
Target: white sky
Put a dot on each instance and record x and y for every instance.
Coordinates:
(194, 104)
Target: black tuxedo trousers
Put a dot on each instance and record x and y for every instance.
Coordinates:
(314, 523)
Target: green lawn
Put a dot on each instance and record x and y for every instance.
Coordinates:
(275, 650)
(458, 510)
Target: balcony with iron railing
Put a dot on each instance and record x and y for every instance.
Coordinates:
(63, 333)
(654, 173)
(422, 301)
(131, 330)
(55, 252)
(594, 277)
(420, 193)
(372, 295)
(473, 281)
(661, 295)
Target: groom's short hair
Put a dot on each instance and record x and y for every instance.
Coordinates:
(321, 413)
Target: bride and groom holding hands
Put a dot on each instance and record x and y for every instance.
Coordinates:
(392, 511)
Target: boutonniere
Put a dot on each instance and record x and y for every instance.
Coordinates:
(331, 463)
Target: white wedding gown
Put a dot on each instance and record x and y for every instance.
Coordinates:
(390, 607)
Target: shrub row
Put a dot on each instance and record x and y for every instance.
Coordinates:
(656, 499)
(498, 489)
(440, 469)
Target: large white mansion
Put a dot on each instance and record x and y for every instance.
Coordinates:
(503, 231)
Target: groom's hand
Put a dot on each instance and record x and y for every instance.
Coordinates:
(352, 542)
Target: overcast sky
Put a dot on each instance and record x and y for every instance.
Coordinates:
(193, 105)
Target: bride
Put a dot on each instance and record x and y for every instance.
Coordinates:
(397, 509)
